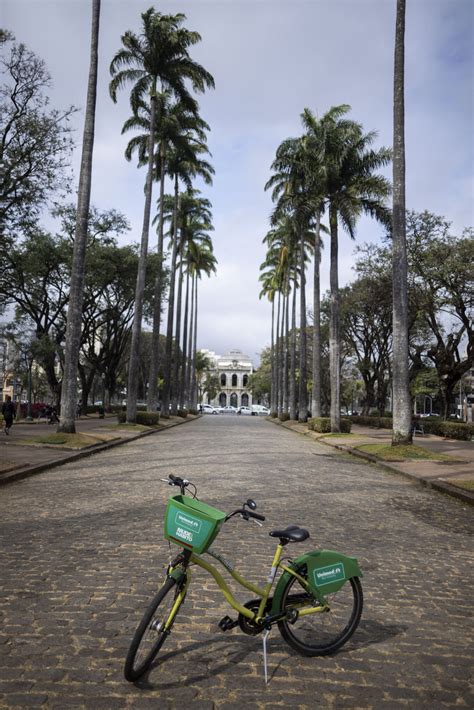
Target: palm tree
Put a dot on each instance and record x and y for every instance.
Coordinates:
(290, 188)
(160, 55)
(184, 166)
(178, 127)
(203, 262)
(74, 317)
(352, 188)
(402, 433)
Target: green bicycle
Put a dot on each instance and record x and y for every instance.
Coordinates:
(317, 601)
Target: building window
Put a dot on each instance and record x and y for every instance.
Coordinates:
(233, 399)
(245, 380)
(234, 380)
(223, 380)
(222, 399)
(245, 400)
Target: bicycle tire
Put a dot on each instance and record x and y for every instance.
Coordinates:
(138, 659)
(322, 633)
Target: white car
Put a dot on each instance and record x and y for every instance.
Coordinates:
(228, 410)
(244, 410)
(259, 409)
(208, 409)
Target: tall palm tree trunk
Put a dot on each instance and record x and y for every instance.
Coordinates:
(334, 335)
(402, 432)
(293, 354)
(134, 362)
(303, 391)
(193, 363)
(190, 346)
(169, 330)
(152, 396)
(273, 405)
(177, 340)
(74, 316)
(183, 397)
(277, 358)
(282, 355)
(286, 344)
(316, 391)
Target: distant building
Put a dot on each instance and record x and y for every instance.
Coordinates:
(233, 371)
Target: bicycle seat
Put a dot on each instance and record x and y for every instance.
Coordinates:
(292, 533)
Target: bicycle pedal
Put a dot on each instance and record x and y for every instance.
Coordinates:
(226, 623)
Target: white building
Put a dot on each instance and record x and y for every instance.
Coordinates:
(233, 371)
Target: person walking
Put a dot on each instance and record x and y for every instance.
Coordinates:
(8, 411)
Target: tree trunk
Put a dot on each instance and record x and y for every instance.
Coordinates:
(183, 395)
(189, 373)
(303, 391)
(277, 358)
(334, 335)
(152, 397)
(273, 401)
(316, 391)
(286, 343)
(135, 347)
(293, 354)
(193, 364)
(169, 330)
(74, 316)
(402, 429)
(177, 339)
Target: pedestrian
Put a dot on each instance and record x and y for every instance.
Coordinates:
(8, 411)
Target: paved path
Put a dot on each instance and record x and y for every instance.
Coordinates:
(81, 554)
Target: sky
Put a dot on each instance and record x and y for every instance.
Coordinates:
(271, 59)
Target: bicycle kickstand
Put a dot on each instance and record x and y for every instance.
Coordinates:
(265, 636)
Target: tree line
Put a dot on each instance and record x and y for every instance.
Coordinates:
(440, 327)
(81, 296)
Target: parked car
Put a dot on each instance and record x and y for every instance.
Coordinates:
(244, 410)
(228, 410)
(259, 409)
(209, 409)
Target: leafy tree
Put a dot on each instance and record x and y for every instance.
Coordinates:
(443, 283)
(35, 140)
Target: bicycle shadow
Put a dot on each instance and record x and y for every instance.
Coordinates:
(232, 657)
(369, 632)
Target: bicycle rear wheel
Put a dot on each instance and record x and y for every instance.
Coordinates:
(321, 633)
(153, 629)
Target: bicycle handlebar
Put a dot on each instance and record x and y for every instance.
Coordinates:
(183, 483)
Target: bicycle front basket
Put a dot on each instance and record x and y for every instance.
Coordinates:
(192, 524)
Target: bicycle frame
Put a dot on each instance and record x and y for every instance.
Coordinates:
(262, 593)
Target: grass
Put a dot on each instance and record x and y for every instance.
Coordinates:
(338, 435)
(468, 485)
(62, 441)
(387, 452)
(130, 427)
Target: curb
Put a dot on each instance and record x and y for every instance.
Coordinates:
(25, 472)
(436, 484)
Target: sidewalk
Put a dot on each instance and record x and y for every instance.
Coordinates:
(21, 457)
(442, 475)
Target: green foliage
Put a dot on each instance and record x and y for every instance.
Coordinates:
(36, 141)
(183, 413)
(323, 425)
(284, 416)
(374, 421)
(144, 418)
(451, 430)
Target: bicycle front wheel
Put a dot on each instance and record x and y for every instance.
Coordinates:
(153, 629)
(321, 633)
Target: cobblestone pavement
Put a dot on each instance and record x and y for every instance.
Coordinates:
(82, 553)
